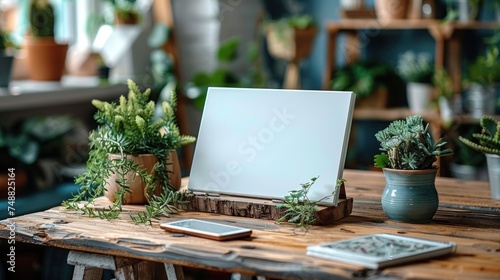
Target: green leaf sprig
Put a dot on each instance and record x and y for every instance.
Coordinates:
(299, 209)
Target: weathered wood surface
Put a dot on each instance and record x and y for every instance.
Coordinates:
(279, 250)
(265, 208)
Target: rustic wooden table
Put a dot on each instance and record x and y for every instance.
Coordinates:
(467, 216)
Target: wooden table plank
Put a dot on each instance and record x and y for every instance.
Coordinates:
(279, 250)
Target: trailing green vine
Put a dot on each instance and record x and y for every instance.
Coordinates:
(130, 128)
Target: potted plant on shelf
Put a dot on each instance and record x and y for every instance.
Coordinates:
(467, 164)
(488, 142)
(125, 12)
(45, 58)
(444, 93)
(133, 157)
(483, 80)
(408, 157)
(417, 70)
(5, 59)
(291, 39)
(368, 80)
(388, 10)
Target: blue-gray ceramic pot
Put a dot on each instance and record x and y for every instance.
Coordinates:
(410, 195)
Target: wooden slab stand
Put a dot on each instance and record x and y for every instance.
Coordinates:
(265, 208)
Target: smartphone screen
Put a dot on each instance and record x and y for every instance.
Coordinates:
(206, 229)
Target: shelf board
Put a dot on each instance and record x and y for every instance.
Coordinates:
(357, 24)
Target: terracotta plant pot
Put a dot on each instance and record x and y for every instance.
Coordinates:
(391, 9)
(290, 44)
(126, 19)
(136, 195)
(45, 58)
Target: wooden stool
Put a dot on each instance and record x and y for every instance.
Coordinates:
(90, 266)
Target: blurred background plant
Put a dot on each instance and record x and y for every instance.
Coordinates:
(416, 67)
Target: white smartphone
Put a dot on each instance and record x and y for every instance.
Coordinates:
(206, 229)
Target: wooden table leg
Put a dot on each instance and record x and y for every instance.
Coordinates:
(174, 272)
(90, 266)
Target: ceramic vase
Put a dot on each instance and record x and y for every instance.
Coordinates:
(480, 100)
(493, 162)
(410, 195)
(419, 96)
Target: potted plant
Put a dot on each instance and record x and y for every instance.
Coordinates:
(125, 11)
(387, 10)
(291, 39)
(408, 157)
(444, 93)
(45, 58)
(368, 80)
(488, 142)
(483, 79)
(417, 70)
(467, 164)
(5, 59)
(133, 157)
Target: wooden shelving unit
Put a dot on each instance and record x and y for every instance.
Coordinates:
(448, 52)
(447, 36)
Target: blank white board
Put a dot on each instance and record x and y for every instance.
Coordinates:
(265, 142)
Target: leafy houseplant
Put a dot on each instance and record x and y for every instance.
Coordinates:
(444, 92)
(365, 79)
(417, 70)
(291, 39)
(408, 157)
(128, 135)
(488, 142)
(125, 11)
(45, 58)
(483, 79)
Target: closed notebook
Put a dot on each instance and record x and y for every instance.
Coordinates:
(381, 250)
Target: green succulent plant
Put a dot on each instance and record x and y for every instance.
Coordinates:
(408, 145)
(41, 18)
(488, 139)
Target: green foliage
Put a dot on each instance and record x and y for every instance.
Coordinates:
(486, 69)
(299, 209)
(162, 205)
(124, 8)
(443, 83)
(295, 21)
(41, 18)
(23, 144)
(128, 127)
(488, 141)
(416, 67)
(220, 77)
(361, 77)
(408, 145)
